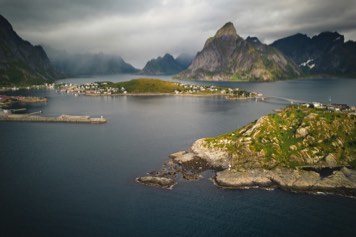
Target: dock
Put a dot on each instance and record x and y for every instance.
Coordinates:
(46, 119)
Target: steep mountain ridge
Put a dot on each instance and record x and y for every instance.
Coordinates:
(227, 56)
(21, 63)
(166, 65)
(326, 53)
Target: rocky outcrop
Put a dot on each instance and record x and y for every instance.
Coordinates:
(294, 137)
(298, 149)
(21, 63)
(162, 182)
(217, 158)
(340, 181)
(227, 56)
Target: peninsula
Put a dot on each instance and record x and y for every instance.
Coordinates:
(297, 149)
(9, 101)
(152, 87)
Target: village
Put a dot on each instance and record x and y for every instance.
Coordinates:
(102, 89)
(351, 110)
(32, 87)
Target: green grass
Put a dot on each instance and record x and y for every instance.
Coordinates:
(328, 133)
(145, 85)
(20, 74)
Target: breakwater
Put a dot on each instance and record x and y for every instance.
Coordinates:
(58, 119)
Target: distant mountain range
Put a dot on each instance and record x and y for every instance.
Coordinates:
(88, 64)
(227, 56)
(167, 65)
(326, 53)
(21, 63)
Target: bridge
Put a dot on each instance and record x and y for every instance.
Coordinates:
(290, 100)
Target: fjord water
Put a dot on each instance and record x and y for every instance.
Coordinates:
(79, 180)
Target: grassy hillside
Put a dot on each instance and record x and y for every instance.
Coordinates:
(146, 85)
(292, 138)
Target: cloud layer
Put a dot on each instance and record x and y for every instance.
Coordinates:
(139, 30)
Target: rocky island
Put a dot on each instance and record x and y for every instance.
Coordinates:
(296, 149)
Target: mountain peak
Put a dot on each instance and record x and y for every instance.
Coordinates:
(253, 40)
(227, 56)
(4, 23)
(168, 56)
(165, 65)
(227, 29)
(21, 62)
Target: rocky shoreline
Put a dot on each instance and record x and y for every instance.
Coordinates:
(297, 149)
(339, 182)
(190, 164)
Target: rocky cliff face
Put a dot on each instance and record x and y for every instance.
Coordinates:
(227, 56)
(21, 62)
(165, 65)
(326, 53)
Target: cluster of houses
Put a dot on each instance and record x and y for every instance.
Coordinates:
(195, 89)
(101, 89)
(90, 89)
(330, 107)
(44, 86)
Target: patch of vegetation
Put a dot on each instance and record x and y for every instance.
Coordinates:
(297, 136)
(145, 85)
(20, 74)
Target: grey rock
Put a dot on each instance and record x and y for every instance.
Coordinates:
(301, 132)
(290, 179)
(162, 182)
(227, 56)
(331, 160)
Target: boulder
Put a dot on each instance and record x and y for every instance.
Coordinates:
(331, 160)
(215, 157)
(182, 156)
(256, 177)
(301, 132)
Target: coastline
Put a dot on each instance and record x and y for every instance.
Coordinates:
(228, 97)
(248, 168)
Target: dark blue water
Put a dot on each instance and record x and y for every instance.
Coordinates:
(78, 180)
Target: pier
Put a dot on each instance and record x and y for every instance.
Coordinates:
(46, 119)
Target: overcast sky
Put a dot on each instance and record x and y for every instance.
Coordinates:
(139, 30)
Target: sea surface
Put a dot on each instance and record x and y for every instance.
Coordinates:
(79, 179)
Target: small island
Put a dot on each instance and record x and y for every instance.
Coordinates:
(152, 87)
(299, 149)
(10, 101)
(9, 112)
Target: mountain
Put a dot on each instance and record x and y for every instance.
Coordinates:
(21, 63)
(326, 53)
(166, 65)
(88, 64)
(227, 56)
(185, 60)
